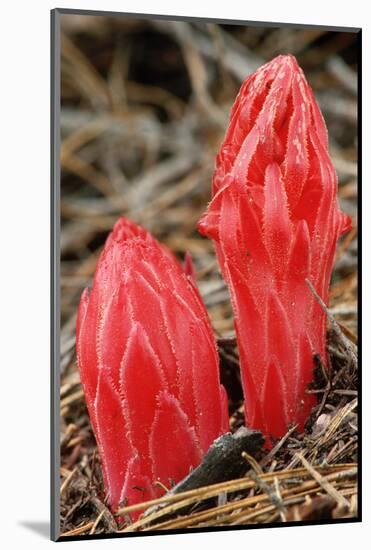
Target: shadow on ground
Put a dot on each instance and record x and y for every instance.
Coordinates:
(42, 528)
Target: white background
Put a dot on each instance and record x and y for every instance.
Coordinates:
(24, 286)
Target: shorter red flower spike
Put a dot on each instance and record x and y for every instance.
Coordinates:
(275, 219)
(148, 365)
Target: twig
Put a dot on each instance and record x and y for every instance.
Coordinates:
(324, 483)
(67, 481)
(255, 474)
(277, 447)
(79, 530)
(92, 530)
(348, 345)
(229, 487)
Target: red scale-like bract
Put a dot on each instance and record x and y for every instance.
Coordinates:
(148, 365)
(275, 219)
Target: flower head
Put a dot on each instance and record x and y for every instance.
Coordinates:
(275, 220)
(148, 365)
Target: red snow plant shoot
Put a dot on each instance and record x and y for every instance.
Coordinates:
(275, 219)
(148, 366)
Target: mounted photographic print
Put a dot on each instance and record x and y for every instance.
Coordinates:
(205, 281)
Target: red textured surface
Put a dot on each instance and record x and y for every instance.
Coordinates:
(275, 220)
(148, 365)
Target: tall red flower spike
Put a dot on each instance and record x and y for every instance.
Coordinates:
(148, 365)
(275, 219)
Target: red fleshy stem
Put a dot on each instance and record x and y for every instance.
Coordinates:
(275, 219)
(148, 365)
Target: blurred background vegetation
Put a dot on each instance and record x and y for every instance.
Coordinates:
(145, 104)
